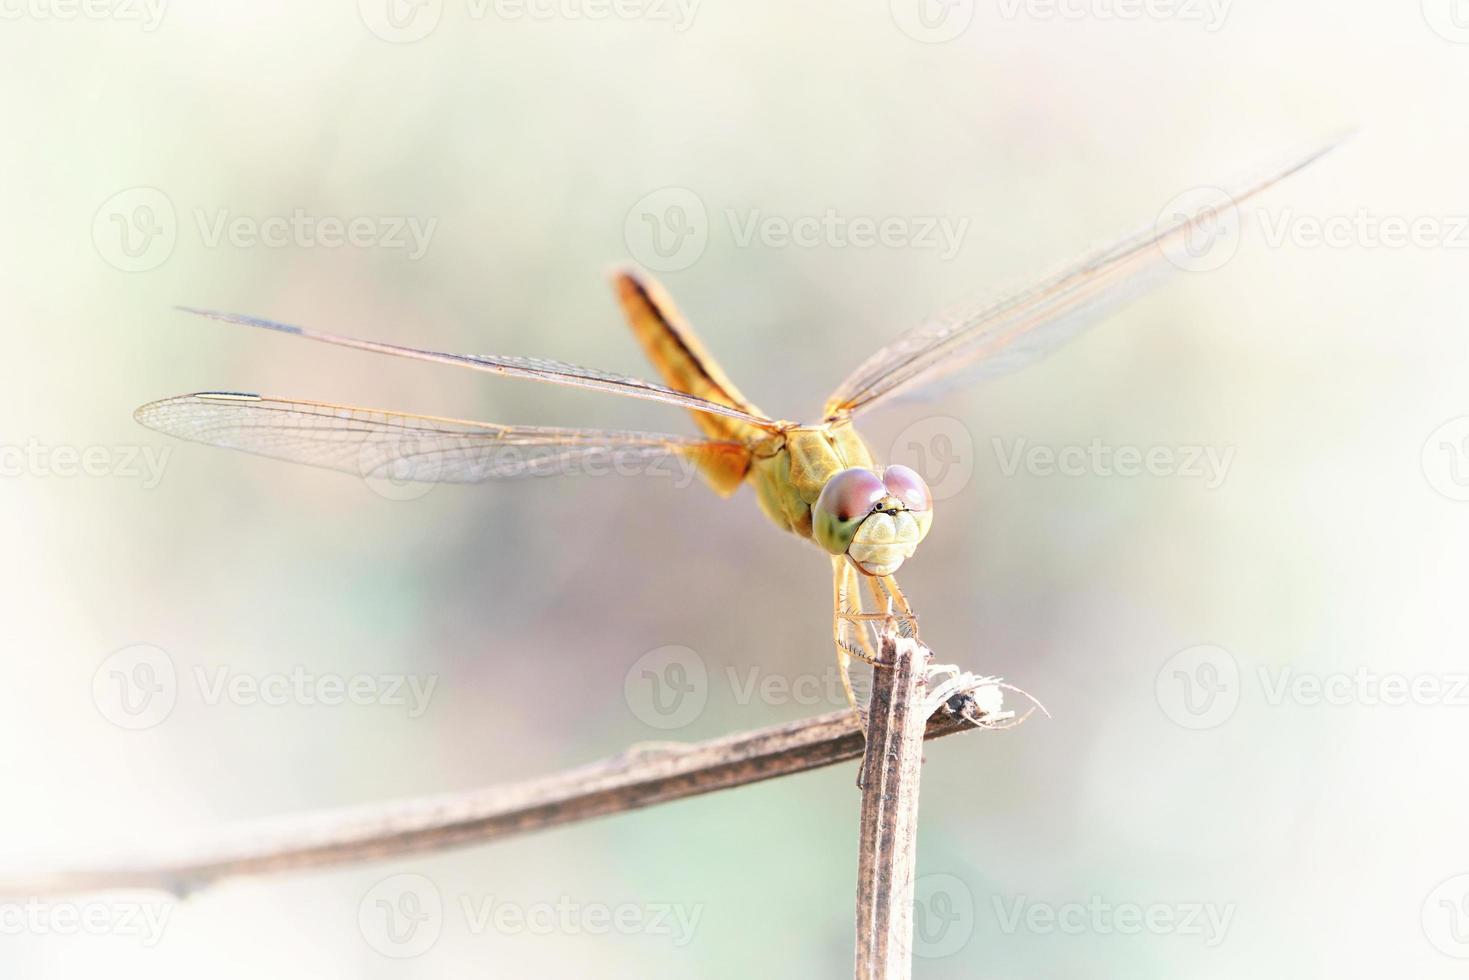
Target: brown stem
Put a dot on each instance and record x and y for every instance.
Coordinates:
(629, 781)
(889, 825)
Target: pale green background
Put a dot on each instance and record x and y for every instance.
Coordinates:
(1326, 549)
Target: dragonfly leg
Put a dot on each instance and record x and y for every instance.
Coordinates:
(850, 625)
(888, 596)
(856, 631)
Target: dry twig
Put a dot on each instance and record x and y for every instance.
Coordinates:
(629, 781)
(889, 827)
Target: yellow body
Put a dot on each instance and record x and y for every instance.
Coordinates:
(788, 468)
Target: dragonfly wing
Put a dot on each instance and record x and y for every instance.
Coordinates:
(418, 448)
(532, 368)
(996, 337)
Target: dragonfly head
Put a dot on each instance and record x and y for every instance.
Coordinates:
(876, 521)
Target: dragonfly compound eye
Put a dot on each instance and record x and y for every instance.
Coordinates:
(908, 487)
(877, 524)
(844, 504)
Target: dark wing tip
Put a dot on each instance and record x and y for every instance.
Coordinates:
(1344, 135)
(240, 318)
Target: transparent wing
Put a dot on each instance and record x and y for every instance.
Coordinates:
(535, 369)
(391, 445)
(999, 336)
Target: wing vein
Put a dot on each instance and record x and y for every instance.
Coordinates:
(535, 369)
(419, 448)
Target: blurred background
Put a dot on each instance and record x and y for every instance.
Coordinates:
(1250, 644)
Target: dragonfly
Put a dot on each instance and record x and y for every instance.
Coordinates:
(819, 481)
